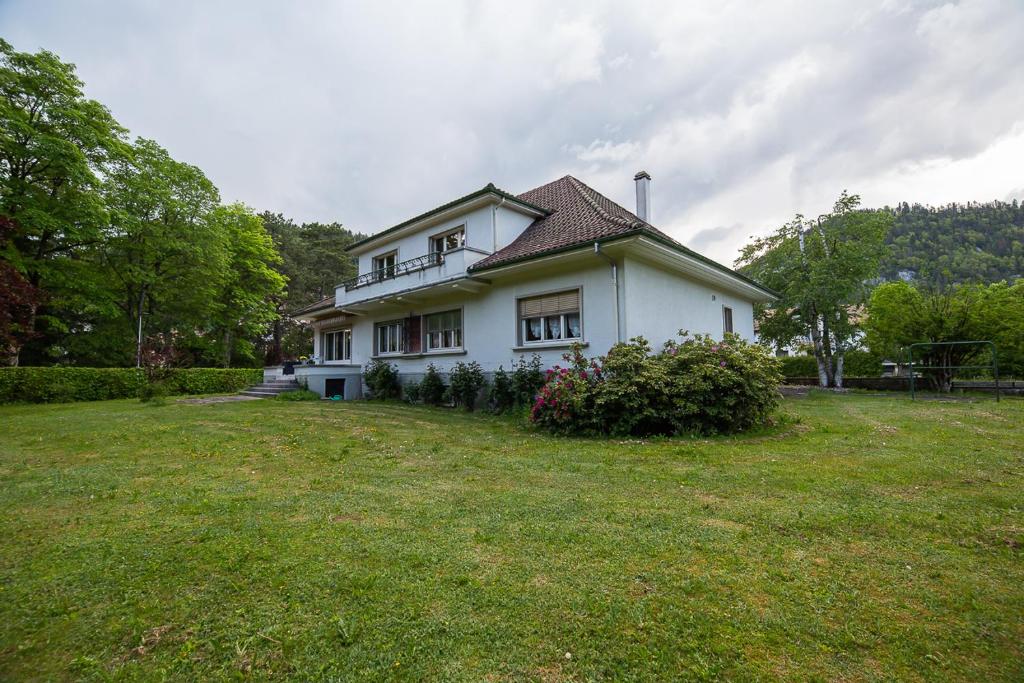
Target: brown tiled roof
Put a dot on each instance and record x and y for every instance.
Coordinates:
(579, 215)
(326, 302)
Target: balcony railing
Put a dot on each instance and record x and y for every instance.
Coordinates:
(402, 268)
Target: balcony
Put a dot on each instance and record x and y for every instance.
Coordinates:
(417, 273)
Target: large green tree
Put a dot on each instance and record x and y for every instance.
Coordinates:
(900, 314)
(165, 250)
(314, 260)
(251, 286)
(820, 268)
(54, 145)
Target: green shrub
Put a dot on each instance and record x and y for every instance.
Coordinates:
(211, 380)
(502, 396)
(719, 387)
(516, 388)
(432, 389)
(382, 379)
(411, 392)
(855, 364)
(62, 384)
(799, 366)
(527, 379)
(155, 392)
(697, 386)
(861, 364)
(298, 395)
(466, 381)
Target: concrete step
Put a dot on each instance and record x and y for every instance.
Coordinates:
(271, 388)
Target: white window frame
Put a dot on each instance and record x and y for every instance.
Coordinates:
(396, 332)
(346, 346)
(457, 333)
(562, 325)
(376, 268)
(727, 320)
(434, 239)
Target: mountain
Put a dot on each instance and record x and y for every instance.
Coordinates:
(956, 243)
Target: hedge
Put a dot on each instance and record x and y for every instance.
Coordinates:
(855, 364)
(62, 384)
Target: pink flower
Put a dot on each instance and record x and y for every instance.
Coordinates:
(722, 364)
(583, 374)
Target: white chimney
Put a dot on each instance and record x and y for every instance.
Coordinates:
(643, 196)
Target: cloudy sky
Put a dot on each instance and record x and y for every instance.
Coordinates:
(744, 113)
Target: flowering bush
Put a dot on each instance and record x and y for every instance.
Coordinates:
(565, 403)
(697, 385)
(719, 387)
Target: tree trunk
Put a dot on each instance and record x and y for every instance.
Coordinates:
(827, 354)
(138, 338)
(16, 345)
(227, 349)
(276, 356)
(819, 353)
(839, 369)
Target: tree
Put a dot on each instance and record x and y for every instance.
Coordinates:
(54, 144)
(164, 249)
(314, 260)
(820, 268)
(18, 300)
(900, 314)
(956, 243)
(251, 287)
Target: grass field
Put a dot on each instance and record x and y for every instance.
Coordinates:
(867, 538)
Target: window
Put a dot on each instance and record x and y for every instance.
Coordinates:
(552, 317)
(444, 330)
(384, 265)
(390, 338)
(337, 345)
(454, 239)
(726, 319)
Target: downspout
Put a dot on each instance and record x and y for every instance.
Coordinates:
(615, 286)
(494, 224)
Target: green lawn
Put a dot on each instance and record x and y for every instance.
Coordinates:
(870, 538)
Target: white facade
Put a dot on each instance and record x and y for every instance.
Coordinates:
(653, 290)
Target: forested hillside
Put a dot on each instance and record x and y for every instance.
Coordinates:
(956, 243)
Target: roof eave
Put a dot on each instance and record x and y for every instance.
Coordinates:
(510, 200)
(632, 234)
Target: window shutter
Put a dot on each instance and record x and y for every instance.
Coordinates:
(550, 304)
(412, 331)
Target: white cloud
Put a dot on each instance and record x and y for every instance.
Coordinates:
(743, 114)
(605, 151)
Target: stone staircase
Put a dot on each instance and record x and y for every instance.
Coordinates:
(271, 388)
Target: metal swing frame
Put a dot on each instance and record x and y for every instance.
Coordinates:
(993, 366)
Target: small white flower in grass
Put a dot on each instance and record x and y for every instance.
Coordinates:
(568, 655)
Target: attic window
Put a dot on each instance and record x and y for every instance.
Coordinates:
(453, 239)
(551, 317)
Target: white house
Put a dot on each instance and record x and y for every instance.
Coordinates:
(494, 277)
